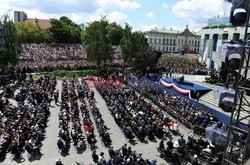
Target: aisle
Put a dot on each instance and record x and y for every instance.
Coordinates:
(118, 138)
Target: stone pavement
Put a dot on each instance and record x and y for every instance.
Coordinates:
(51, 152)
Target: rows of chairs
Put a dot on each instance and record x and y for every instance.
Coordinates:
(137, 118)
(23, 127)
(101, 127)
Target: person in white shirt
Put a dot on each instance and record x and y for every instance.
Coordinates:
(101, 158)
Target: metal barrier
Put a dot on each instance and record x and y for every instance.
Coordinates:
(162, 106)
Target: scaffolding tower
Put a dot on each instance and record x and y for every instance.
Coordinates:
(237, 150)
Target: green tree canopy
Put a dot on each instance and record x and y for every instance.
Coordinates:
(97, 42)
(115, 33)
(30, 33)
(9, 43)
(65, 31)
(126, 44)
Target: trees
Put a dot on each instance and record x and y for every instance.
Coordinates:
(65, 31)
(115, 33)
(97, 42)
(126, 44)
(10, 44)
(30, 33)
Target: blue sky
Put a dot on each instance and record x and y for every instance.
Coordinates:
(140, 14)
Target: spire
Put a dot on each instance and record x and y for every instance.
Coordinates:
(186, 26)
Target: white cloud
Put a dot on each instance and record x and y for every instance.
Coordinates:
(150, 15)
(118, 17)
(148, 27)
(165, 5)
(199, 11)
(114, 16)
(122, 4)
(78, 16)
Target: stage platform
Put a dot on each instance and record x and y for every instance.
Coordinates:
(185, 87)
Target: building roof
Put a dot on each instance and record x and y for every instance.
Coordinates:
(43, 23)
(184, 32)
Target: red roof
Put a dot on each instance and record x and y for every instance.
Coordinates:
(43, 23)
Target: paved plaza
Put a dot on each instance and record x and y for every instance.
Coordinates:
(51, 152)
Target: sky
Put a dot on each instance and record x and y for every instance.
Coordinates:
(142, 15)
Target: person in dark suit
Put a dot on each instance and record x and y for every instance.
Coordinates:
(95, 157)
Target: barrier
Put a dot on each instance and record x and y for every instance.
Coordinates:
(162, 106)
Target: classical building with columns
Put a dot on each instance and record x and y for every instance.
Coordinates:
(212, 38)
(169, 40)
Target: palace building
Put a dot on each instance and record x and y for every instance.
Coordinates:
(169, 40)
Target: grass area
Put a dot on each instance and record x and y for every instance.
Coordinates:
(64, 74)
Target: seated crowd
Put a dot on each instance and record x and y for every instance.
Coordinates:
(48, 57)
(100, 124)
(43, 56)
(181, 64)
(180, 106)
(123, 155)
(23, 126)
(193, 150)
(135, 116)
(10, 80)
(69, 111)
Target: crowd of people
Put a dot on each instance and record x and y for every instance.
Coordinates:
(180, 106)
(23, 126)
(181, 64)
(194, 150)
(48, 57)
(135, 116)
(123, 155)
(72, 92)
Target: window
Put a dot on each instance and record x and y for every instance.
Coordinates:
(215, 41)
(164, 41)
(155, 40)
(167, 40)
(159, 41)
(178, 41)
(170, 49)
(195, 43)
(192, 42)
(166, 48)
(173, 48)
(224, 37)
(198, 43)
(189, 42)
(150, 40)
(170, 41)
(174, 41)
(236, 36)
(181, 41)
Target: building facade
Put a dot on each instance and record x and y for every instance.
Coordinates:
(169, 40)
(212, 39)
(20, 16)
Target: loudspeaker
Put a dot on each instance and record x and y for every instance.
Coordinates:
(238, 14)
(227, 105)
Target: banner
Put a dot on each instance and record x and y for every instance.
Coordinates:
(206, 51)
(177, 89)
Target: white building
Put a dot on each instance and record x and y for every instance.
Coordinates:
(211, 39)
(169, 40)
